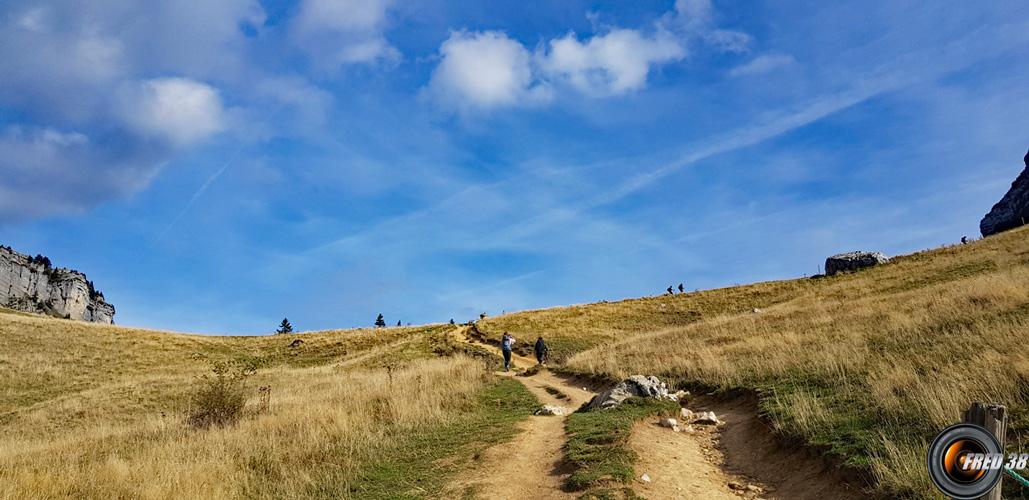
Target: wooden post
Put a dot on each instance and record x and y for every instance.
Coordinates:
(993, 418)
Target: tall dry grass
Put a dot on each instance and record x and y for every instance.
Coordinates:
(870, 364)
(322, 425)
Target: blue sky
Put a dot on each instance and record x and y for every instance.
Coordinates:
(215, 166)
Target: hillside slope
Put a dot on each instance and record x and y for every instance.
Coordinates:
(868, 365)
(96, 411)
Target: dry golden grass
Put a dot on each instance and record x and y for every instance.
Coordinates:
(322, 426)
(870, 364)
(91, 411)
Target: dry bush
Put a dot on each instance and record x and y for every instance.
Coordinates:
(221, 396)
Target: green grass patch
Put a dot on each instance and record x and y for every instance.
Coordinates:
(420, 465)
(597, 442)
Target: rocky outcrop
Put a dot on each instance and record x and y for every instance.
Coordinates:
(634, 386)
(1013, 209)
(852, 261)
(31, 284)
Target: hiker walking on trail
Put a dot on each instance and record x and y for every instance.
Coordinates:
(506, 342)
(670, 291)
(682, 289)
(541, 351)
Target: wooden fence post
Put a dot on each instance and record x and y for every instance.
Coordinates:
(993, 418)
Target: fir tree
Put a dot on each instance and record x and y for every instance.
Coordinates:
(285, 327)
(380, 322)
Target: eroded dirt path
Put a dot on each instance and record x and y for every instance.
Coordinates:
(529, 466)
(678, 464)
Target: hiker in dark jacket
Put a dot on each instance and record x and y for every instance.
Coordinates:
(541, 351)
(506, 343)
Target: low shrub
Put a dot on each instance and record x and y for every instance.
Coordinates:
(221, 395)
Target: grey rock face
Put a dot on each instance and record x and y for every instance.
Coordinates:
(32, 286)
(852, 261)
(636, 385)
(1013, 209)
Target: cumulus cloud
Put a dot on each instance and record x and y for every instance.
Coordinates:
(488, 69)
(762, 64)
(71, 69)
(178, 110)
(485, 70)
(613, 63)
(338, 32)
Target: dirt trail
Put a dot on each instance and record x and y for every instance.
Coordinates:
(740, 459)
(530, 465)
(680, 465)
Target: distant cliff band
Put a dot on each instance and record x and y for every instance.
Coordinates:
(31, 284)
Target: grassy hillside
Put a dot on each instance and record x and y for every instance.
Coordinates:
(869, 365)
(93, 411)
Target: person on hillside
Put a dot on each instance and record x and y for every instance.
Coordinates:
(506, 343)
(670, 290)
(541, 351)
(682, 289)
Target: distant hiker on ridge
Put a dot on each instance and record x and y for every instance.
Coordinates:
(541, 351)
(506, 342)
(682, 289)
(670, 291)
(964, 239)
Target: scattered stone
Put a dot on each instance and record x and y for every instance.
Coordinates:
(1013, 209)
(754, 488)
(668, 422)
(689, 429)
(645, 478)
(756, 310)
(681, 396)
(736, 485)
(296, 343)
(852, 261)
(706, 418)
(686, 414)
(552, 410)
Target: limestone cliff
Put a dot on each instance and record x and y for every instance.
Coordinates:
(1013, 209)
(31, 284)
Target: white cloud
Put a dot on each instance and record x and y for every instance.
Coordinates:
(178, 110)
(695, 13)
(342, 15)
(610, 64)
(337, 32)
(762, 64)
(487, 69)
(484, 70)
(695, 20)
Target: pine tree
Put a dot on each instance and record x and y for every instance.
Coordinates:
(285, 327)
(380, 322)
